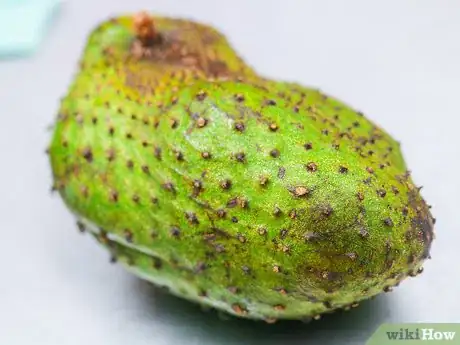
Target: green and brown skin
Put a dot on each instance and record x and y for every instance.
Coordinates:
(264, 199)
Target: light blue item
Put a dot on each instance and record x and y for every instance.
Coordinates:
(23, 25)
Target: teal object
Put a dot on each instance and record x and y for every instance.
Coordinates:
(23, 25)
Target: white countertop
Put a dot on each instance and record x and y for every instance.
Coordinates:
(397, 60)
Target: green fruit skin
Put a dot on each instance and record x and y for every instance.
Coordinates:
(264, 199)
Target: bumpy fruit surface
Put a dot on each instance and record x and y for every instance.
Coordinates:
(261, 198)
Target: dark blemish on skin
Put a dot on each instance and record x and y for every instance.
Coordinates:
(308, 146)
(311, 167)
(179, 156)
(326, 210)
(136, 198)
(175, 231)
(88, 154)
(128, 235)
(232, 203)
(226, 184)
(273, 127)
(169, 187)
(281, 172)
(201, 122)
(200, 267)
(239, 309)
(239, 97)
(300, 191)
(191, 218)
(388, 222)
(110, 155)
(145, 169)
(363, 233)
(381, 193)
(174, 123)
(283, 233)
(263, 180)
(281, 290)
(277, 211)
(239, 126)
(197, 187)
(157, 153)
(360, 196)
(219, 248)
(234, 220)
(242, 202)
(343, 170)
(201, 95)
(270, 102)
(240, 157)
(157, 263)
(387, 289)
(241, 238)
(279, 307)
(262, 231)
(221, 213)
(113, 196)
(367, 181)
(130, 164)
(370, 170)
(205, 155)
(275, 153)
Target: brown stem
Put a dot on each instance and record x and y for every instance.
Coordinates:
(144, 28)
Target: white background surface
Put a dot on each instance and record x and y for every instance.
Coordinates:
(398, 61)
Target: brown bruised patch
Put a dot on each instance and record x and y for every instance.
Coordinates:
(189, 46)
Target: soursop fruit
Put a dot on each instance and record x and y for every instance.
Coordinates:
(264, 199)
